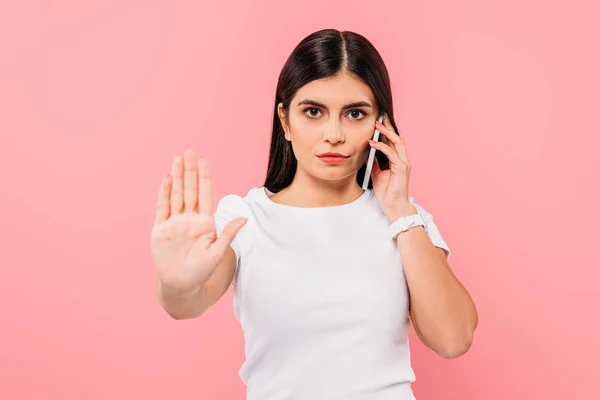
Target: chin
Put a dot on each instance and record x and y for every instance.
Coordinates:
(334, 173)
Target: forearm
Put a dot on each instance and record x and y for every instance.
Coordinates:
(181, 305)
(442, 310)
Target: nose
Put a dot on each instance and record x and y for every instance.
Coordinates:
(333, 134)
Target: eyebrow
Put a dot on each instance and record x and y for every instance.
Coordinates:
(347, 106)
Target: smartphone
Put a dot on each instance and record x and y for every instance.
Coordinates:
(371, 158)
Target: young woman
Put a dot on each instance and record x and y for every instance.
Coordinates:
(326, 276)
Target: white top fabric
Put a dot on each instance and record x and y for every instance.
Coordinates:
(322, 300)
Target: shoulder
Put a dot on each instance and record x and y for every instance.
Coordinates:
(232, 206)
(236, 205)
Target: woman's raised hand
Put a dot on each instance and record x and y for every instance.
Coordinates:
(185, 247)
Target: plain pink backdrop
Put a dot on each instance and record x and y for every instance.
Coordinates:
(498, 102)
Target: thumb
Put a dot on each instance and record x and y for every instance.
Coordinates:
(229, 233)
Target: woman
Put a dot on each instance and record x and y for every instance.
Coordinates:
(325, 280)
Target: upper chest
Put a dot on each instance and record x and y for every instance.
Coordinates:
(321, 274)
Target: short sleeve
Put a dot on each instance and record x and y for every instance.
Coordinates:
(229, 208)
(432, 230)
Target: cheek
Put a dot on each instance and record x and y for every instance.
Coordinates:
(303, 143)
(304, 152)
(360, 133)
(306, 137)
(367, 134)
(361, 142)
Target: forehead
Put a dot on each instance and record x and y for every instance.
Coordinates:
(335, 91)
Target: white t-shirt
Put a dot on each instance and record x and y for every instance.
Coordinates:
(322, 300)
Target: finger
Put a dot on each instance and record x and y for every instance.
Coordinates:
(190, 181)
(387, 150)
(177, 185)
(400, 146)
(162, 206)
(397, 143)
(205, 197)
(383, 138)
(226, 237)
(388, 133)
(379, 127)
(401, 150)
(387, 130)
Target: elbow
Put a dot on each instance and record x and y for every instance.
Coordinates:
(453, 352)
(456, 347)
(177, 317)
(178, 313)
(182, 316)
(460, 340)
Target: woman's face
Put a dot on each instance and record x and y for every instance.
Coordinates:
(335, 115)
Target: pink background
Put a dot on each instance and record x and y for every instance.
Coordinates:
(499, 105)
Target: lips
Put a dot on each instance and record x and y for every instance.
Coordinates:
(332, 158)
(332, 155)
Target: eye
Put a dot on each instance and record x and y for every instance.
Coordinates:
(310, 109)
(356, 111)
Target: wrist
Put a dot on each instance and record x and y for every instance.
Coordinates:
(403, 209)
(404, 219)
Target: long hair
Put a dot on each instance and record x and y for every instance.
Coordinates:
(323, 54)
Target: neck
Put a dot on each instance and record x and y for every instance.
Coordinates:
(308, 191)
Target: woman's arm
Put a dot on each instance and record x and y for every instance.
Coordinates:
(195, 304)
(442, 311)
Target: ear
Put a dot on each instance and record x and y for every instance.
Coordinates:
(283, 120)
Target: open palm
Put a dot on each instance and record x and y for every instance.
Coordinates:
(185, 247)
